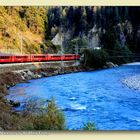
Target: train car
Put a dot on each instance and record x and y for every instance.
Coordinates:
(68, 57)
(54, 57)
(77, 56)
(21, 58)
(65, 57)
(36, 58)
(6, 58)
(39, 57)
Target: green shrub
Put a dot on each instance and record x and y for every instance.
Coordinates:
(27, 126)
(49, 118)
(95, 58)
(75, 44)
(121, 51)
(89, 126)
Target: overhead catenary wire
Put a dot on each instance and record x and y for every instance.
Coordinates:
(115, 51)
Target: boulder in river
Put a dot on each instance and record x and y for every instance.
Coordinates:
(110, 65)
(15, 103)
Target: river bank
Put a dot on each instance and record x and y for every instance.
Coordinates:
(9, 79)
(82, 96)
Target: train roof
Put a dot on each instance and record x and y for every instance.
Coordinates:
(2, 54)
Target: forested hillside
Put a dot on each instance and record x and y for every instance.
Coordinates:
(23, 26)
(39, 28)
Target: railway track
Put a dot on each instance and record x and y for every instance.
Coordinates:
(8, 67)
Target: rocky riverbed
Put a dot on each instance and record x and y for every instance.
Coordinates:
(132, 82)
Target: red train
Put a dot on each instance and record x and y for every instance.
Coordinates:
(37, 58)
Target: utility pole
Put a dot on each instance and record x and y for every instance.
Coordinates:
(62, 64)
(21, 47)
(76, 52)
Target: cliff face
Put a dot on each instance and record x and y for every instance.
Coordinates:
(92, 23)
(92, 39)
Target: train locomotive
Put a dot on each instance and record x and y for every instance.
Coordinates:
(37, 58)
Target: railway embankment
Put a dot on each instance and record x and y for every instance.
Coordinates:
(11, 74)
(34, 65)
(8, 79)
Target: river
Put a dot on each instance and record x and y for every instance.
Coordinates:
(97, 96)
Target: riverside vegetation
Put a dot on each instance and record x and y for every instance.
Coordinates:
(97, 33)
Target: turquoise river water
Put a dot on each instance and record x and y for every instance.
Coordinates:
(97, 96)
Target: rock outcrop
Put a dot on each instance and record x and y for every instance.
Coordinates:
(110, 65)
(14, 103)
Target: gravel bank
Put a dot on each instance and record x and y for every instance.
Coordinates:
(132, 82)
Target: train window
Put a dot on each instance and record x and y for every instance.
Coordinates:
(25, 56)
(21, 56)
(39, 56)
(17, 56)
(4, 57)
